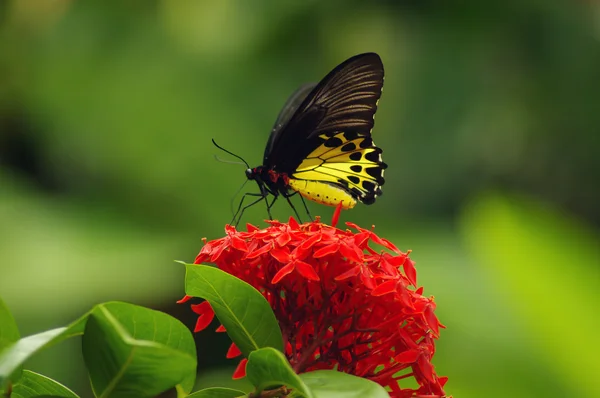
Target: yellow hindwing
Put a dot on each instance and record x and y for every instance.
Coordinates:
(345, 166)
(323, 193)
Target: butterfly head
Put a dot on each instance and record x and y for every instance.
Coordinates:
(251, 174)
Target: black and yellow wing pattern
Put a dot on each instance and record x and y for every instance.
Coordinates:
(321, 145)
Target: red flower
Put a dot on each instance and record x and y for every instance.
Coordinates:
(340, 302)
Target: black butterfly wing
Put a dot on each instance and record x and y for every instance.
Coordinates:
(346, 99)
(288, 110)
(328, 137)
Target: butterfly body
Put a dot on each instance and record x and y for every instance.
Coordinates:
(274, 183)
(269, 180)
(320, 146)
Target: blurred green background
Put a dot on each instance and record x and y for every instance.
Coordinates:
(489, 121)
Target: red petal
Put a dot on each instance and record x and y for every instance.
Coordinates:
(385, 243)
(307, 271)
(283, 272)
(350, 253)
(251, 228)
(283, 239)
(308, 243)
(239, 243)
(230, 229)
(396, 261)
(410, 271)
(329, 249)
(350, 273)
(220, 329)
(294, 226)
(206, 313)
(184, 299)
(200, 258)
(233, 351)
(217, 252)
(240, 371)
(202, 308)
(386, 266)
(203, 321)
(336, 215)
(300, 252)
(432, 320)
(406, 338)
(356, 227)
(426, 367)
(361, 238)
(260, 251)
(385, 288)
(281, 254)
(399, 392)
(404, 296)
(367, 278)
(409, 356)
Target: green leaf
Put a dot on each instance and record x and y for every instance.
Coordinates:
(333, 384)
(33, 384)
(132, 351)
(218, 392)
(243, 311)
(9, 332)
(268, 368)
(546, 269)
(13, 357)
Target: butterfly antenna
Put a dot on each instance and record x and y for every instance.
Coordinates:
(218, 159)
(231, 153)
(234, 196)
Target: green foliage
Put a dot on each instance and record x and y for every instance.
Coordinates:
(126, 347)
(243, 311)
(131, 351)
(332, 384)
(35, 385)
(217, 392)
(15, 355)
(268, 369)
(9, 332)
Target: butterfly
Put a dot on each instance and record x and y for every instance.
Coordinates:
(320, 146)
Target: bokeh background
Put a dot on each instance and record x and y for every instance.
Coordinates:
(489, 121)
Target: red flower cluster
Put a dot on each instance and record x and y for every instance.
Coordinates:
(340, 303)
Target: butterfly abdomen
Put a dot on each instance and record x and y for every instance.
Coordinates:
(322, 193)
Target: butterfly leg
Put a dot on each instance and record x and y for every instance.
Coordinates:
(306, 208)
(240, 210)
(270, 205)
(287, 197)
